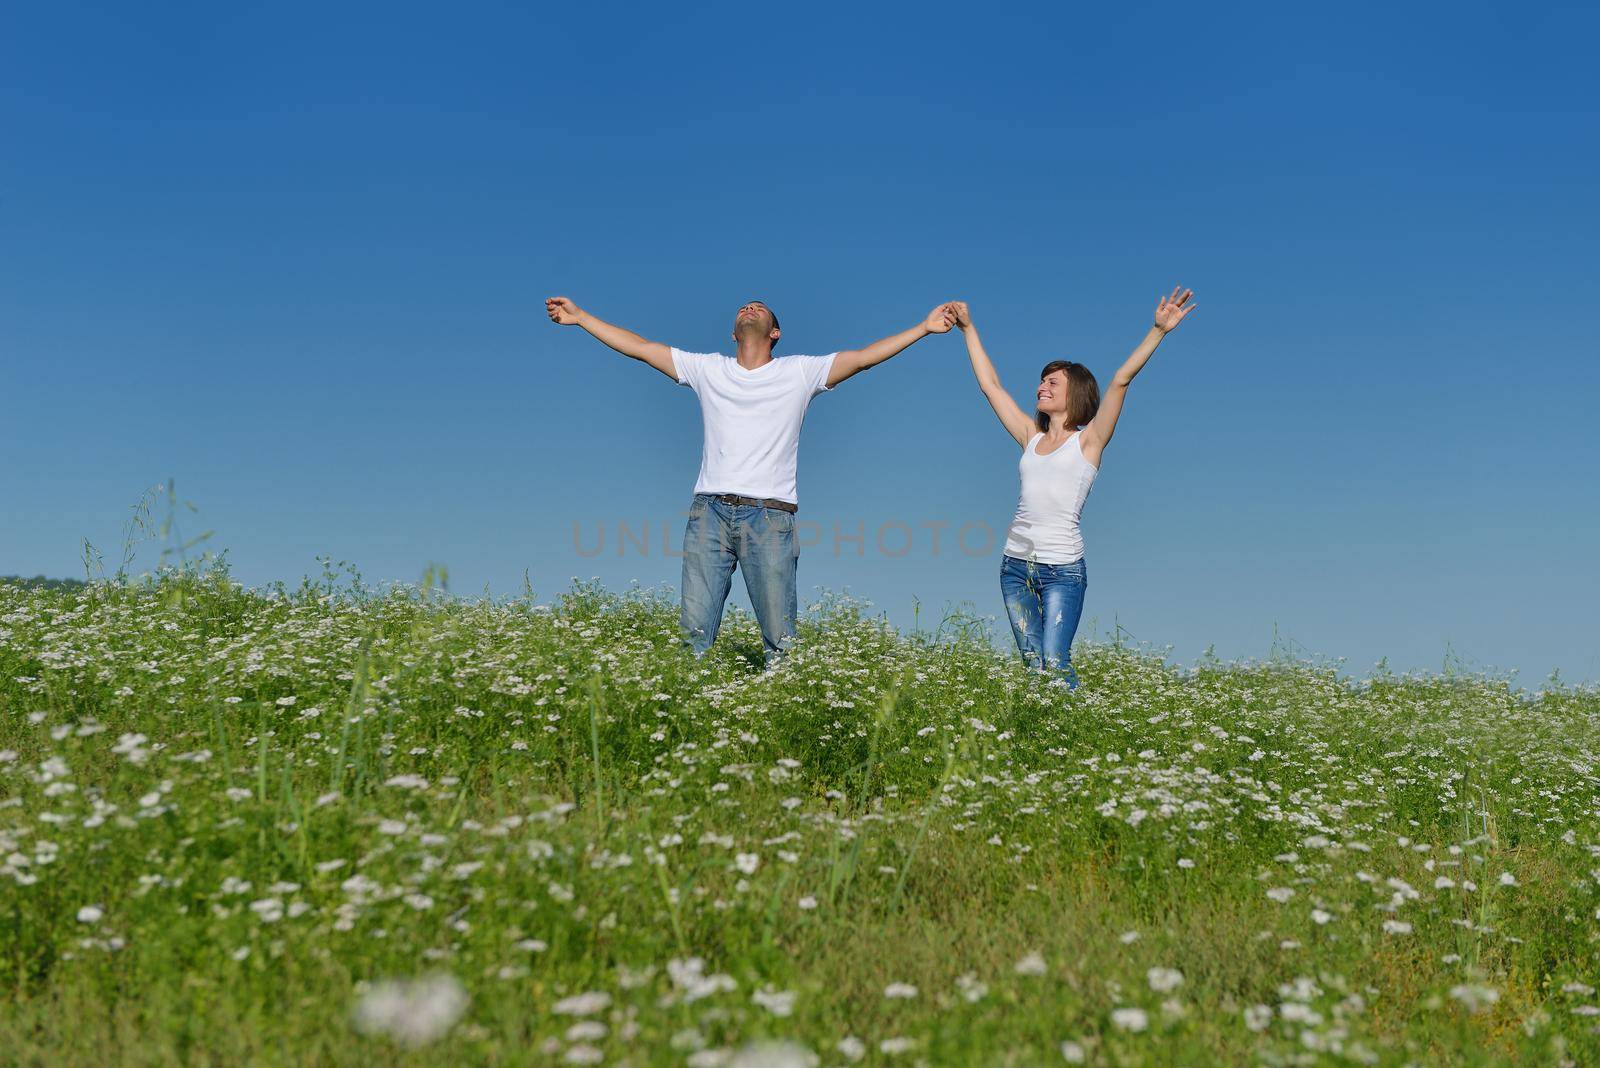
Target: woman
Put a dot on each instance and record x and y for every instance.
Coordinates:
(1042, 574)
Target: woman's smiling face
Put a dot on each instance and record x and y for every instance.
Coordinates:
(1053, 392)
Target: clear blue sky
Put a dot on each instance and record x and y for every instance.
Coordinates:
(293, 257)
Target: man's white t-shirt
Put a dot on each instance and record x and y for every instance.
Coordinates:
(752, 420)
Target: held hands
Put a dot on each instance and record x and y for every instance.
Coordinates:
(562, 311)
(941, 319)
(962, 313)
(1172, 309)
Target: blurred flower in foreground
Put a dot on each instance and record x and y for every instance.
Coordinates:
(1164, 980)
(1475, 996)
(773, 1055)
(413, 1012)
(1130, 1019)
(1032, 964)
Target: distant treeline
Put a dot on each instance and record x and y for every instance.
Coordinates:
(39, 582)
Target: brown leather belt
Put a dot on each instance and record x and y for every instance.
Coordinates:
(755, 502)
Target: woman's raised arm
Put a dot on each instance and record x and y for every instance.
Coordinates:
(1170, 311)
(1013, 418)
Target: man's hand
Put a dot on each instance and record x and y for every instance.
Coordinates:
(962, 314)
(562, 311)
(854, 361)
(1172, 309)
(940, 320)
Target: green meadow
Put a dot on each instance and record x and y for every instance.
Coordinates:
(331, 825)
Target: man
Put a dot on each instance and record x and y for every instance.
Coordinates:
(752, 405)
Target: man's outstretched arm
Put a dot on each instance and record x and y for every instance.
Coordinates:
(845, 364)
(565, 313)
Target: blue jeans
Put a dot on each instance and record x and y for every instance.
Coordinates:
(1045, 602)
(720, 537)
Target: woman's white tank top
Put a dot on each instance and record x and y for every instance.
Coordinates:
(1054, 488)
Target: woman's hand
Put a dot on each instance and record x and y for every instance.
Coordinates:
(963, 314)
(940, 320)
(1172, 309)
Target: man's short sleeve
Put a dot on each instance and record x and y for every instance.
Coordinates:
(815, 370)
(691, 366)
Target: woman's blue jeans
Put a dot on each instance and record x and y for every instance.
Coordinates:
(720, 537)
(1045, 602)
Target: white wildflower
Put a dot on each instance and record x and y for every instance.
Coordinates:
(1130, 1019)
(1164, 980)
(1475, 996)
(411, 1012)
(269, 909)
(1032, 964)
(586, 1004)
(777, 1002)
(773, 1055)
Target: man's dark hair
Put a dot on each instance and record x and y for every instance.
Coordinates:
(1083, 394)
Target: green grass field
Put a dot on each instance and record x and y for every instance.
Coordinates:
(324, 827)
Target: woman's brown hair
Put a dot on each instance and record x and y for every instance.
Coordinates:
(1083, 394)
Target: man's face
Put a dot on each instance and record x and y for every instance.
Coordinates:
(755, 319)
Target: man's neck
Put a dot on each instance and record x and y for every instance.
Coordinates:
(753, 352)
